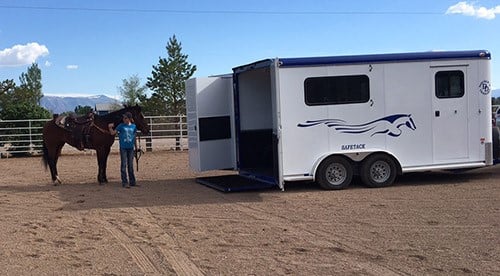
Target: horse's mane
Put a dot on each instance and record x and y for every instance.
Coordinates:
(115, 116)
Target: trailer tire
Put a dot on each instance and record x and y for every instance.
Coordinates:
(334, 173)
(378, 170)
(496, 143)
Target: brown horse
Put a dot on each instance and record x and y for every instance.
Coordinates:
(54, 138)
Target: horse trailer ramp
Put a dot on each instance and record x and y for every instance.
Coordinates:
(233, 183)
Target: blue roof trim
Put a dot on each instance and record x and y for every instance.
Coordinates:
(304, 61)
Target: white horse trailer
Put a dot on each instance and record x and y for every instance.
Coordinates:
(329, 118)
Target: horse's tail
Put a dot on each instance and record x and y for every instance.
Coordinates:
(45, 156)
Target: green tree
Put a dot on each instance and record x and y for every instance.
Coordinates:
(30, 87)
(153, 105)
(167, 81)
(7, 88)
(132, 91)
(83, 110)
(24, 110)
(23, 102)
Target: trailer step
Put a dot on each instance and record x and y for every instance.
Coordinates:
(233, 183)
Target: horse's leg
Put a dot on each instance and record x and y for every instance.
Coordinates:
(105, 163)
(53, 154)
(58, 153)
(100, 164)
(98, 155)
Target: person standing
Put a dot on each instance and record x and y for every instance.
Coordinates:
(126, 133)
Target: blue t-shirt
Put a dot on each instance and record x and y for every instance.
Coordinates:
(126, 133)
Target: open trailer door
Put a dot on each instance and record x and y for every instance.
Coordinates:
(210, 118)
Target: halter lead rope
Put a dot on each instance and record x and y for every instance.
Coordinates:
(138, 153)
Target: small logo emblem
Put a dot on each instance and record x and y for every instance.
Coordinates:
(485, 87)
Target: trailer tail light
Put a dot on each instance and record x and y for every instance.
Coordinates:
(482, 140)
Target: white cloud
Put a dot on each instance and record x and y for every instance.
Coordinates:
(472, 10)
(48, 63)
(72, 67)
(20, 55)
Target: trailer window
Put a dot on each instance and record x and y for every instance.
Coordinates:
(337, 90)
(214, 128)
(450, 84)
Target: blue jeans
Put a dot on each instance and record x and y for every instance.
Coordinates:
(127, 163)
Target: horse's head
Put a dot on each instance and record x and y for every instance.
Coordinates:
(410, 123)
(405, 120)
(138, 117)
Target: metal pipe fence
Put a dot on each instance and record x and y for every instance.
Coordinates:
(24, 137)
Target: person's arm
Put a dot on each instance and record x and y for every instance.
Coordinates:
(111, 130)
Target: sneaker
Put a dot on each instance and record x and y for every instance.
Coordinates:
(135, 185)
(127, 186)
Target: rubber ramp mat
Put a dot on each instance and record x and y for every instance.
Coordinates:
(233, 183)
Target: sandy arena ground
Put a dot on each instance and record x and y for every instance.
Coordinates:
(434, 223)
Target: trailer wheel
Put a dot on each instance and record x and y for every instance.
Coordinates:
(334, 173)
(378, 170)
(496, 143)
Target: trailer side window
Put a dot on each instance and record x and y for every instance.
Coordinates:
(337, 90)
(214, 128)
(450, 84)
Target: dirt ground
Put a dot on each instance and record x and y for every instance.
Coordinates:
(433, 223)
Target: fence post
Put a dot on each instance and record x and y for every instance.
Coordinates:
(178, 144)
(149, 138)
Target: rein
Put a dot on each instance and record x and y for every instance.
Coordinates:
(138, 153)
(99, 128)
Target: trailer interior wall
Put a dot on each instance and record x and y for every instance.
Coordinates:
(254, 111)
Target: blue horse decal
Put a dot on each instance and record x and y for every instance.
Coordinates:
(389, 125)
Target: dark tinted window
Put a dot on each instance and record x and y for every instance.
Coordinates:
(450, 84)
(214, 128)
(337, 90)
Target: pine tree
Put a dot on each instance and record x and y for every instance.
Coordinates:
(167, 81)
(30, 88)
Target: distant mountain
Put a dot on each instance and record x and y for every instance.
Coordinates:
(59, 104)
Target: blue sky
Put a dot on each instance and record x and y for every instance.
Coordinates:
(88, 47)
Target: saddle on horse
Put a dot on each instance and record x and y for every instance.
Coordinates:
(79, 128)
